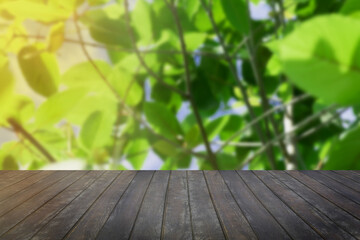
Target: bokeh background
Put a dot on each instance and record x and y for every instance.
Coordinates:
(67, 66)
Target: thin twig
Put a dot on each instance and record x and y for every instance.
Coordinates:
(252, 114)
(116, 150)
(240, 144)
(211, 155)
(320, 126)
(264, 100)
(259, 118)
(141, 59)
(86, 53)
(18, 128)
(142, 51)
(296, 128)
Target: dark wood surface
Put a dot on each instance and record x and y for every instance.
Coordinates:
(179, 205)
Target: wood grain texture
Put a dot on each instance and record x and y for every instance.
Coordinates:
(312, 216)
(262, 223)
(60, 225)
(13, 217)
(33, 223)
(335, 185)
(123, 216)
(205, 222)
(177, 220)
(337, 215)
(294, 225)
(179, 205)
(149, 221)
(92, 221)
(230, 214)
(18, 186)
(343, 180)
(353, 175)
(331, 195)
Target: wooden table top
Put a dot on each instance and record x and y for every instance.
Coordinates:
(179, 205)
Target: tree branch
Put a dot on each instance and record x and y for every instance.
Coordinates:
(296, 128)
(144, 51)
(18, 128)
(211, 155)
(259, 118)
(141, 59)
(103, 77)
(264, 100)
(252, 114)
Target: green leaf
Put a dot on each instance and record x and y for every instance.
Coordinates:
(191, 7)
(350, 6)
(40, 69)
(9, 163)
(164, 149)
(142, 21)
(33, 10)
(22, 109)
(56, 37)
(90, 103)
(96, 131)
(85, 75)
(107, 26)
(194, 40)
(162, 120)
(97, 2)
(236, 12)
(6, 86)
(226, 161)
(126, 86)
(136, 152)
(58, 106)
(345, 152)
(322, 57)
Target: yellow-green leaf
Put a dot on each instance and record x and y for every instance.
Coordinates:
(236, 12)
(58, 106)
(96, 131)
(40, 69)
(6, 87)
(56, 37)
(34, 10)
(322, 57)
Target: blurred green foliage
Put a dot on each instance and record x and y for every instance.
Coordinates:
(188, 80)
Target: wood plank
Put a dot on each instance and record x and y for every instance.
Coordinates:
(349, 174)
(148, 224)
(23, 195)
(205, 222)
(253, 210)
(177, 222)
(336, 198)
(62, 223)
(294, 225)
(343, 180)
(93, 220)
(122, 218)
(14, 216)
(334, 185)
(231, 216)
(13, 177)
(17, 187)
(312, 216)
(336, 214)
(31, 224)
